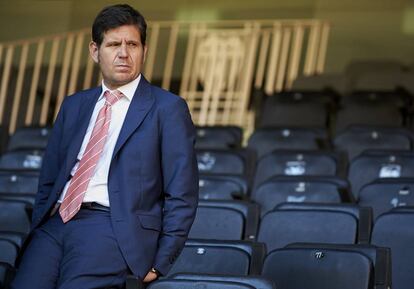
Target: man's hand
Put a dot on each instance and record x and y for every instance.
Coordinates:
(151, 276)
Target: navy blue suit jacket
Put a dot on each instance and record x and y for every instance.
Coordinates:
(153, 179)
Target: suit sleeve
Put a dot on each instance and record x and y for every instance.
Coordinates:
(180, 183)
(50, 166)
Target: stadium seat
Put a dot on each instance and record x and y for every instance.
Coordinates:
(378, 165)
(297, 108)
(300, 189)
(8, 252)
(316, 223)
(236, 162)
(326, 266)
(297, 163)
(379, 256)
(195, 284)
(371, 108)
(218, 137)
(266, 140)
(220, 257)
(18, 186)
(255, 281)
(225, 220)
(14, 217)
(15, 237)
(395, 231)
(29, 138)
(356, 139)
(385, 194)
(332, 82)
(6, 274)
(21, 161)
(222, 187)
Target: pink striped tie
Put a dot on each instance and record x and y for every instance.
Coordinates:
(77, 188)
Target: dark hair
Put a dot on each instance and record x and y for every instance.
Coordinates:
(115, 16)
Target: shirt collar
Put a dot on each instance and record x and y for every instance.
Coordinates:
(128, 89)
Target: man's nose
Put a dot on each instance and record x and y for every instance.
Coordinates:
(123, 50)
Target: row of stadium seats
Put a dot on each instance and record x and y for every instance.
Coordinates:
(328, 110)
(224, 241)
(243, 201)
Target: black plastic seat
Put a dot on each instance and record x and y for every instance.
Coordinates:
(196, 284)
(218, 137)
(378, 165)
(385, 194)
(379, 256)
(301, 189)
(316, 223)
(222, 187)
(371, 108)
(296, 163)
(394, 230)
(256, 282)
(266, 140)
(28, 138)
(356, 139)
(6, 274)
(18, 186)
(319, 268)
(225, 220)
(297, 108)
(220, 257)
(8, 252)
(239, 162)
(14, 237)
(21, 161)
(14, 217)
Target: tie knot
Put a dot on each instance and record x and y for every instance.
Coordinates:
(113, 96)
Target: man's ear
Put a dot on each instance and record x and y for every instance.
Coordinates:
(145, 53)
(94, 51)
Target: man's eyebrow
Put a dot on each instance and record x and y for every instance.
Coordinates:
(113, 41)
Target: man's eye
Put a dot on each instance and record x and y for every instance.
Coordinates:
(132, 44)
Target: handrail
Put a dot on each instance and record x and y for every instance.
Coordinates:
(37, 73)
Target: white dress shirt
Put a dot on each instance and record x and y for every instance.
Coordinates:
(97, 190)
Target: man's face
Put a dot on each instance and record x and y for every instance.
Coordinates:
(120, 56)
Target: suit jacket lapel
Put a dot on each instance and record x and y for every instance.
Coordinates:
(85, 112)
(140, 106)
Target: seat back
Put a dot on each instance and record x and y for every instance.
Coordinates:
(222, 187)
(29, 138)
(225, 220)
(356, 139)
(379, 256)
(378, 165)
(266, 140)
(297, 108)
(256, 282)
(218, 137)
(14, 217)
(282, 189)
(292, 268)
(315, 223)
(21, 160)
(196, 284)
(385, 194)
(394, 230)
(8, 252)
(220, 257)
(295, 163)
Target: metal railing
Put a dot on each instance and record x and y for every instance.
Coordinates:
(214, 65)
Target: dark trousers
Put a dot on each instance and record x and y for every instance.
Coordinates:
(81, 254)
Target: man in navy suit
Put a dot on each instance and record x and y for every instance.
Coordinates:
(130, 145)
